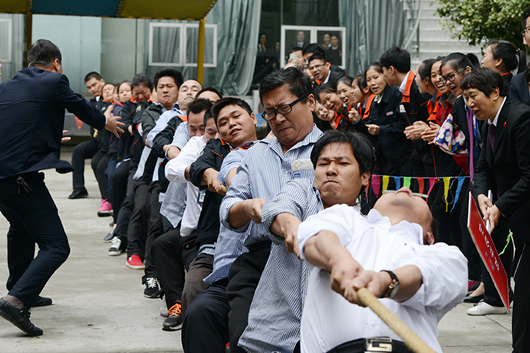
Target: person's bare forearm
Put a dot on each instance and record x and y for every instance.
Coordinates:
(410, 280)
(245, 211)
(284, 224)
(324, 249)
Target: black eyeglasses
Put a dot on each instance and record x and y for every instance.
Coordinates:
(451, 77)
(282, 109)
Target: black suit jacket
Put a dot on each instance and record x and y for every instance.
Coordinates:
(32, 108)
(519, 89)
(507, 171)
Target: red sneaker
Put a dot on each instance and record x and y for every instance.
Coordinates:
(106, 209)
(135, 263)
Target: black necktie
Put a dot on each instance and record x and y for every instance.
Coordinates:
(492, 136)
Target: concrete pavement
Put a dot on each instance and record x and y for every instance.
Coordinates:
(99, 304)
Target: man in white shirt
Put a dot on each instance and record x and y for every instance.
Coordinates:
(381, 252)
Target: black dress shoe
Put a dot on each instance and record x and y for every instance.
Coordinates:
(473, 298)
(109, 236)
(42, 301)
(18, 317)
(78, 194)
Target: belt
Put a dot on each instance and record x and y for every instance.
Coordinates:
(374, 344)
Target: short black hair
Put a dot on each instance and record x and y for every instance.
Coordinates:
(208, 115)
(424, 69)
(142, 79)
(123, 83)
(363, 150)
(396, 57)
(360, 80)
(43, 52)
(198, 106)
(109, 83)
(317, 57)
(169, 72)
(297, 48)
(347, 80)
(375, 66)
(314, 48)
(224, 102)
(524, 18)
(299, 83)
(485, 80)
(209, 89)
(91, 75)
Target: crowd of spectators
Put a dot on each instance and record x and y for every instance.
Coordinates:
(210, 213)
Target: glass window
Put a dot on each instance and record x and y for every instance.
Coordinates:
(5, 39)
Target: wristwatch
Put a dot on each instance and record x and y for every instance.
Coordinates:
(393, 287)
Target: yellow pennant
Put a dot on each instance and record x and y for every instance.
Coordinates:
(386, 179)
(447, 181)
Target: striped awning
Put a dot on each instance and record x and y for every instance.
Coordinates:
(159, 9)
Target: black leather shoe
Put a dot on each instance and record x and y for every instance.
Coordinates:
(473, 298)
(18, 317)
(78, 194)
(109, 236)
(42, 301)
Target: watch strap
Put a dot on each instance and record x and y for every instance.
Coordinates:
(393, 283)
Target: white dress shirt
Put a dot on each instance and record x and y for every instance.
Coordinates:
(329, 320)
(175, 172)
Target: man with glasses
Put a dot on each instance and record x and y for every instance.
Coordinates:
(267, 167)
(321, 70)
(519, 87)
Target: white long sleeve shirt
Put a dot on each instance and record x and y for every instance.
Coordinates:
(329, 320)
(175, 172)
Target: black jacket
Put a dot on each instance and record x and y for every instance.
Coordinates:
(212, 157)
(519, 89)
(507, 170)
(32, 108)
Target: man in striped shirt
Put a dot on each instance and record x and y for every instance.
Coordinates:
(289, 102)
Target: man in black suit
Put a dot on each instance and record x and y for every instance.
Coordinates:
(519, 86)
(32, 108)
(321, 70)
(504, 168)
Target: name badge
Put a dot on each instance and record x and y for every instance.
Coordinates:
(200, 197)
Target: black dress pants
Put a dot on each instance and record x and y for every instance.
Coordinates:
(172, 254)
(155, 229)
(99, 164)
(33, 218)
(85, 150)
(123, 179)
(137, 229)
(521, 302)
(244, 276)
(205, 326)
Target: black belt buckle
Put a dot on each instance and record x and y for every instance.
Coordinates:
(379, 344)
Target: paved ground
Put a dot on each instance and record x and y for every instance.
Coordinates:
(99, 304)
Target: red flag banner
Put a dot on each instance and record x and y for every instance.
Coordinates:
(482, 239)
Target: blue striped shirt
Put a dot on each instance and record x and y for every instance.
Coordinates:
(262, 174)
(276, 311)
(276, 307)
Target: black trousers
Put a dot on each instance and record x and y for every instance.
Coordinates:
(99, 164)
(137, 229)
(84, 150)
(172, 254)
(244, 277)
(33, 219)
(124, 184)
(521, 302)
(205, 326)
(468, 246)
(449, 230)
(155, 229)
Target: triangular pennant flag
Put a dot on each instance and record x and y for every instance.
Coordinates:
(397, 180)
(432, 181)
(458, 189)
(406, 181)
(79, 122)
(386, 179)
(447, 183)
(421, 185)
(376, 184)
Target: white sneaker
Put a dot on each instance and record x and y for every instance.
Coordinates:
(484, 308)
(115, 248)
